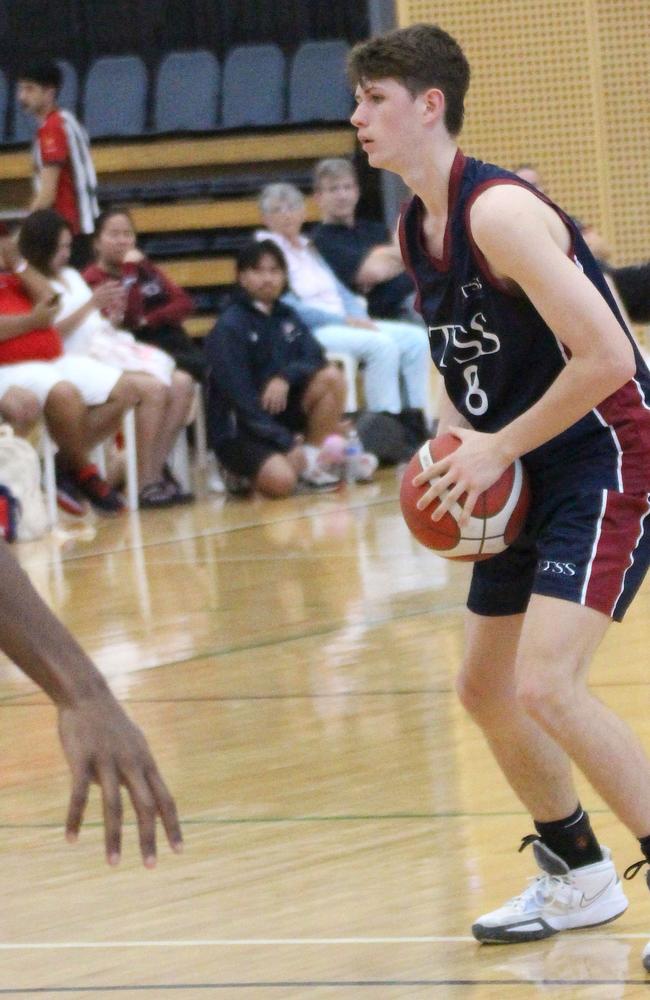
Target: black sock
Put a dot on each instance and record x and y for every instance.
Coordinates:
(572, 839)
(645, 846)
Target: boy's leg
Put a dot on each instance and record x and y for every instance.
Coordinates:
(278, 475)
(536, 768)
(414, 360)
(524, 681)
(322, 402)
(557, 645)
(104, 420)
(380, 355)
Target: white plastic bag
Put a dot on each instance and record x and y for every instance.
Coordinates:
(20, 472)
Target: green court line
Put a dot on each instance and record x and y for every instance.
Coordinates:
(276, 820)
(279, 641)
(306, 515)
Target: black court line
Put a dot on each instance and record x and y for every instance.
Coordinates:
(325, 983)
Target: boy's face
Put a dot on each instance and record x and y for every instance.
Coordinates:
(34, 98)
(386, 119)
(337, 198)
(265, 282)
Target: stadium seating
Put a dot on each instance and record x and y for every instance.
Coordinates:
(253, 86)
(115, 97)
(318, 89)
(187, 92)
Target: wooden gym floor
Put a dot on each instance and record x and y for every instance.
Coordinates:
(292, 665)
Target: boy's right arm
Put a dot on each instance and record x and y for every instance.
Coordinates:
(101, 743)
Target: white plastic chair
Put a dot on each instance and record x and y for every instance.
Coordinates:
(179, 458)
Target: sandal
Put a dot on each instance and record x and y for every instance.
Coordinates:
(158, 494)
(177, 493)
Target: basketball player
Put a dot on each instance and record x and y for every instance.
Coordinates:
(100, 742)
(537, 363)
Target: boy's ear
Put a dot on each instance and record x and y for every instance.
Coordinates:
(434, 102)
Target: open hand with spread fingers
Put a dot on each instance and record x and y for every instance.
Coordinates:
(466, 472)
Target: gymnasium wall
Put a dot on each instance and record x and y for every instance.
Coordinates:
(565, 86)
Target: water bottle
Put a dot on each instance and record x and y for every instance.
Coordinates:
(353, 451)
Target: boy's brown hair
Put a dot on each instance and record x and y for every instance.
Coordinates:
(418, 57)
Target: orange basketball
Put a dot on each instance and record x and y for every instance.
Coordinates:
(497, 519)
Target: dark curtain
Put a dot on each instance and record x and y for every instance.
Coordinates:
(82, 30)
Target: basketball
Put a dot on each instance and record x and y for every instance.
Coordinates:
(497, 519)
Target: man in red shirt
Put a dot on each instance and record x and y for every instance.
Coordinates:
(64, 177)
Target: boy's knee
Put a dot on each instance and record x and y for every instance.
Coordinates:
(329, 379)
(183, 384)
(474, 690)
(276, 479)
(126, 392)
(20, 408)
(62, 395)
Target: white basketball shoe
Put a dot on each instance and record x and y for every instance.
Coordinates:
(630, 872)
(561, 899)
(646, 957)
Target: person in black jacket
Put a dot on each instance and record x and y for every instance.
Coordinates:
(272, 397)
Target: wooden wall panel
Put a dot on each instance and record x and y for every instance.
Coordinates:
(566, 87)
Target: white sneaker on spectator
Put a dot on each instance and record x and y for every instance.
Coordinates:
(319, 478)
(215, 483)
(365, 467)
(315, 473)
(561, 899)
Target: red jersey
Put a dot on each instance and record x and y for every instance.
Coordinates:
(153, 299)
(55, 151)
(36, 345)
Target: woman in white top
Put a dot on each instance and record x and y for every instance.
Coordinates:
(164, 395)
(338, 318)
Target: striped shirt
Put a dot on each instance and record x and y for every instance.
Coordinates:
(61, 141)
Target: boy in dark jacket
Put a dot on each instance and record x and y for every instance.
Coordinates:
(272, 397)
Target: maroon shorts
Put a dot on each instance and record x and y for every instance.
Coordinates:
(592, 548)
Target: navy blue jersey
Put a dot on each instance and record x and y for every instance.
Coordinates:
(247, 348)
(497, 355)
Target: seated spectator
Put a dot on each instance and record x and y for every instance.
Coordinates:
(360, 251)
(155, 305)
(82, 400)
(631, 283)
(531, 175)
(161, 395)
(340, 320)
(270, 387)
